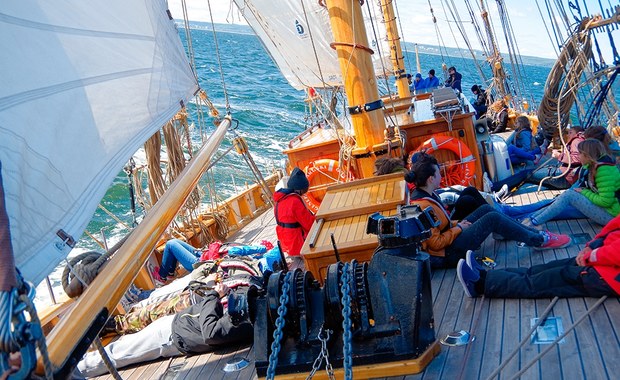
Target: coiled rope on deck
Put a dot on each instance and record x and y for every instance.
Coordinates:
(82, 269)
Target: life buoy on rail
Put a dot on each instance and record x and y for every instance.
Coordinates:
(322, 172)
(459, 172)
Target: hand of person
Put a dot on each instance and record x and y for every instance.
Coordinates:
(464, 224)
(221, 289)
(580, 259)
(15, 362)
(556, 153)
(578, 189)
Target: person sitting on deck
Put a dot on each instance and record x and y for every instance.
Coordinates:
(451, 239)
(454, 79)
(500, 121)
(523, 148)
(431, 81)
(574, 135)
(480, 101)
(202, 327)
(389, 165)
(293, 217)
(602, 134)
(419, 84)
(595, 272)
(597, 194)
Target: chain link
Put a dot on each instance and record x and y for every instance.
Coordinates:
(280, 322)
(324, 354)
(347, 361)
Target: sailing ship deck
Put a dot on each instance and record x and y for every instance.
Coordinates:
(589, 351)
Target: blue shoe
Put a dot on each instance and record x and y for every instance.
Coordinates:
(472, 263)
(467, 277)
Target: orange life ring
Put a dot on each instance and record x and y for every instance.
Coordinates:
(324, 167)
(459, 172)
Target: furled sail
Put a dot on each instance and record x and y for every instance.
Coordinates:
(85, 83)
(298, 35)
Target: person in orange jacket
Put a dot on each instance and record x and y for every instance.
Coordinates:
(293, 217)
(595, 272)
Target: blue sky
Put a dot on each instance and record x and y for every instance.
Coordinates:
(417, 25)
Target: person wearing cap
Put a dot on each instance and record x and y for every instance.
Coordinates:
(293, 218)
(418, 83)
(431, 81)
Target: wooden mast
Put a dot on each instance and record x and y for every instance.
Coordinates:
(365, 105)
(396, 52)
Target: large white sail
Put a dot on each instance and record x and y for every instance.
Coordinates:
(84, 84)
(298, 35)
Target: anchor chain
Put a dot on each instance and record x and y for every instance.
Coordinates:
(347, 361)
(280, 322)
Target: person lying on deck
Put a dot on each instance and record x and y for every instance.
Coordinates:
(202, 327)
(595, 272)
(596, 195)
(182, 293)
(450, 241)
(177, 251)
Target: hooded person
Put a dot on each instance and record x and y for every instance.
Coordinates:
(293, 218)
(480, 101)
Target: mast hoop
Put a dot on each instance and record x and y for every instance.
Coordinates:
(333, 45)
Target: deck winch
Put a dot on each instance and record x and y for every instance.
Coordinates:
(365, 313)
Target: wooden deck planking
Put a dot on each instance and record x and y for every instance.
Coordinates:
(591, 350)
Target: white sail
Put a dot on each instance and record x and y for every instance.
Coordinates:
(85, 83)
(298, 35)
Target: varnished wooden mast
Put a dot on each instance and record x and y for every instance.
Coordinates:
(396, 52)
(109, 286)
(359, 82)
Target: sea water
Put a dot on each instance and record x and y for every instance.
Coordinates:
(269, 114)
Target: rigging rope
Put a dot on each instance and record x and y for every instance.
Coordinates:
(219, 59)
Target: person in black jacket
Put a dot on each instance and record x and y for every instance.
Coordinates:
(200, 328)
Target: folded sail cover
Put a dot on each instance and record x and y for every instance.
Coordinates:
(84, 84)
(298, 35)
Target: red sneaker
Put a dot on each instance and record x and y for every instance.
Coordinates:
(158, 280)
(554, 241)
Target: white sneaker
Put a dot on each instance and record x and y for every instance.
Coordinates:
(499, 195)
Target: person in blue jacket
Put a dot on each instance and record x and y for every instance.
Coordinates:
(431, 81)
(524, 147)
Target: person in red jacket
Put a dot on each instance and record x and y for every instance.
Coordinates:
(595, 272)
(293, 217)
